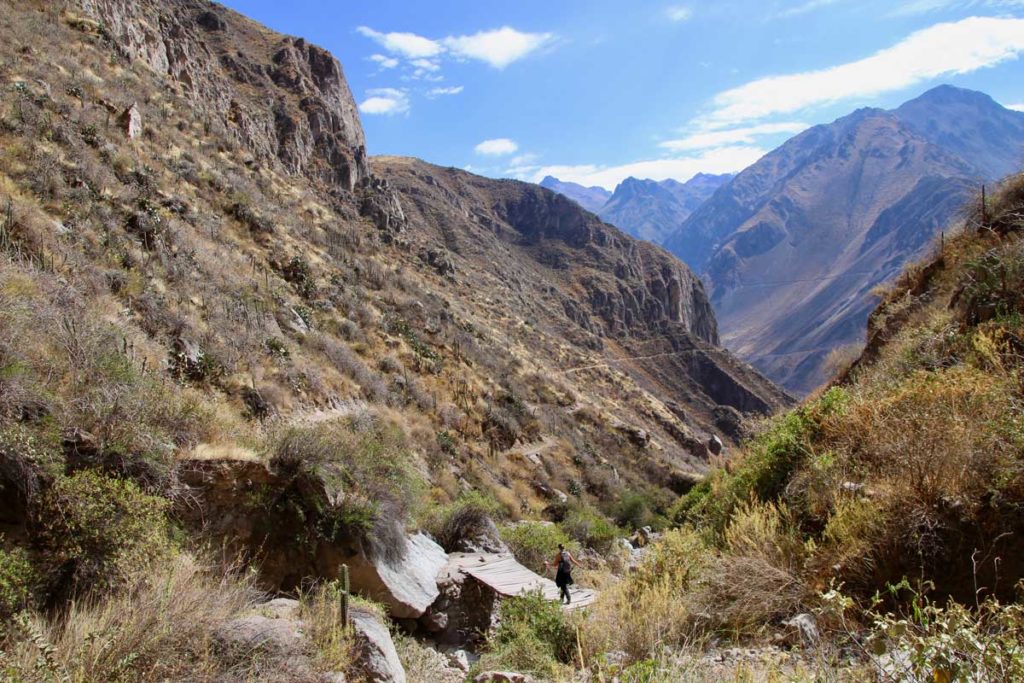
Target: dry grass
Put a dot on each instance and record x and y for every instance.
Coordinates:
(161, 627)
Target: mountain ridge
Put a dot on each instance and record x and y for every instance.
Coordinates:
(819, 207)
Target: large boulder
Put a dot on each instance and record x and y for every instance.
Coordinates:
(375, 651)
(226, 498)
(406, 586)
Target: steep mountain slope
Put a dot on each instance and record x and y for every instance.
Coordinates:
(652, 210)
(909, 465)
(197, 264)
(793, 246)
(526, 252)
(971, 125)
(590, 198)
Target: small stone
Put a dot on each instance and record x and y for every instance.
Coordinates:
(502, 677)
(459, 659)
(806, 626)
(130, 121)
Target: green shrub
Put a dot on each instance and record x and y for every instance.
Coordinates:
(534, 636)
(533, 543)
(939, 642)
(367, 459)
(470, 512)
(768, 462)
(591, 529)
(18, 581)
(98, 530)
(635, 510)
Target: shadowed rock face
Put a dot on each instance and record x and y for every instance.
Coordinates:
(539, 256)
(285, 100)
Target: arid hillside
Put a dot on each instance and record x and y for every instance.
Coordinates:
(198, 257)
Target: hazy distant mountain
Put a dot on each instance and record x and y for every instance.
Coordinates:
(792, 246)
(590, 198)
(652, 210)
(971, 125)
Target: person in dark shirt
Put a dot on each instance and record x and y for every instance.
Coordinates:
(564, 562)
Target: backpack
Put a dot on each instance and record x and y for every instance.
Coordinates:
(563, 564)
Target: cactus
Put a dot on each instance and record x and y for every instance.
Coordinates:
(344, 596)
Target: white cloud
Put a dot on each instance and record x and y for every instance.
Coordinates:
(915, 7)
(386, 101)
(524, 159)
(720, 160)
(805, 7)
(384, 62)
(733, 136)
(1015, 107)
(940, 50)
(437, 92)
(406, 44)
(496, 147)
(499, 47)
(426, 64)
(677, 13)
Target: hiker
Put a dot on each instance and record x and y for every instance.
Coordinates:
(564, 562)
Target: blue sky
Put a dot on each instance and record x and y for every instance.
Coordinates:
(594, 91)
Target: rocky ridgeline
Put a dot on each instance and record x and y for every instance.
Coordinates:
(579, 279)
(230, 69)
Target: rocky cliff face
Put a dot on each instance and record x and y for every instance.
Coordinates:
(536, 255)
(284, 100)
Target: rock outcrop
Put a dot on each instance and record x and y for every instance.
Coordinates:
(375, 651)
(285, 100)
(540, 257)
(275, 517)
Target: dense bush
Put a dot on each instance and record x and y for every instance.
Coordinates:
(762, 470)
(467, 516)
(533, 543)
(365, 458)
(591, 529)
(96, 531)
(18, 581)
(533, 636)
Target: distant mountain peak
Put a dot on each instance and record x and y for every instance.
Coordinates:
(590, 198)
(946, 93)
(839, 208)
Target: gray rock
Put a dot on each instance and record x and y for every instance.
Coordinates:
(806, 627)
(296, 323)
(281, 608)
(715, 445)
(459, 659)
(376, 655)
(257, 632)
(130, 121)
(406, 587)
(380, 204)
(502, 677)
